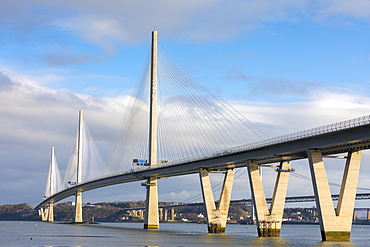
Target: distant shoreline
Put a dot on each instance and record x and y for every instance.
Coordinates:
(170, 222)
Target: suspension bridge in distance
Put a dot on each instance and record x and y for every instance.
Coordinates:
(138, 211)
(344, 140)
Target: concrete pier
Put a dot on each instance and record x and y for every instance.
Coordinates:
(43, 212)
(78, 207)
(335, 224)
(216, 216)
(172, 214)
(51, 212)
(139, 213)
(160, 214)
(269, 220)
(47, 213)
(151, 212)
(165, 215)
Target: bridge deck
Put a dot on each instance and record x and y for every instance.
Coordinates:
(351, 135)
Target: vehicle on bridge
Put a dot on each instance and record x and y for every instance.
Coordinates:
(225, 152)
(138, 162)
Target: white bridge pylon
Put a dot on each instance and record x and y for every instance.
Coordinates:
(192, 131)
(85, 163)
(53, 185)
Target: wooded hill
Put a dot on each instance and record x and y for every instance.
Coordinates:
(116, 212)
(113, 212)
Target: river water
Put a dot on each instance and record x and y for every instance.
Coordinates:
(14, 233)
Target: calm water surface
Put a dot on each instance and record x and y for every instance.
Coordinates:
(131, 234)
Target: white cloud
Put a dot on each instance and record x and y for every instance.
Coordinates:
(104, 26)
(359, 9)
(106, 23)
(129, 22)
(176, 196)
(34, 118)
(283, 118)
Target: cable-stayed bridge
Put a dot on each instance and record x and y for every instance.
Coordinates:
(173, 126)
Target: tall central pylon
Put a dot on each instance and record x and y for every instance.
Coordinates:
(153, 119)
(151, 213)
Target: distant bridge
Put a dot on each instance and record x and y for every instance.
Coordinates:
(289, 199)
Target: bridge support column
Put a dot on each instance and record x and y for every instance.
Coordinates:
(335, 224)
(216, 216)
(160, 214)
(269, 221)
(172, 217)
(51, 212)
(165, 215)
(78, 207)
(354, 217)
(151, 207)
(141, 214)
(43, 212)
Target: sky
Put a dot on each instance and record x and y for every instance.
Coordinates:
(286, 65)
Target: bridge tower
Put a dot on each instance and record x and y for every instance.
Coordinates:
(50, 211)
(151, 212)
(78, 195)
(52, 186)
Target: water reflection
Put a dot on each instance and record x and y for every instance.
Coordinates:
(221, 238)
(192, 235)
(336, 244)
(269, 241)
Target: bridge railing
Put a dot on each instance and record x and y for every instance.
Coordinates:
(348, 124)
